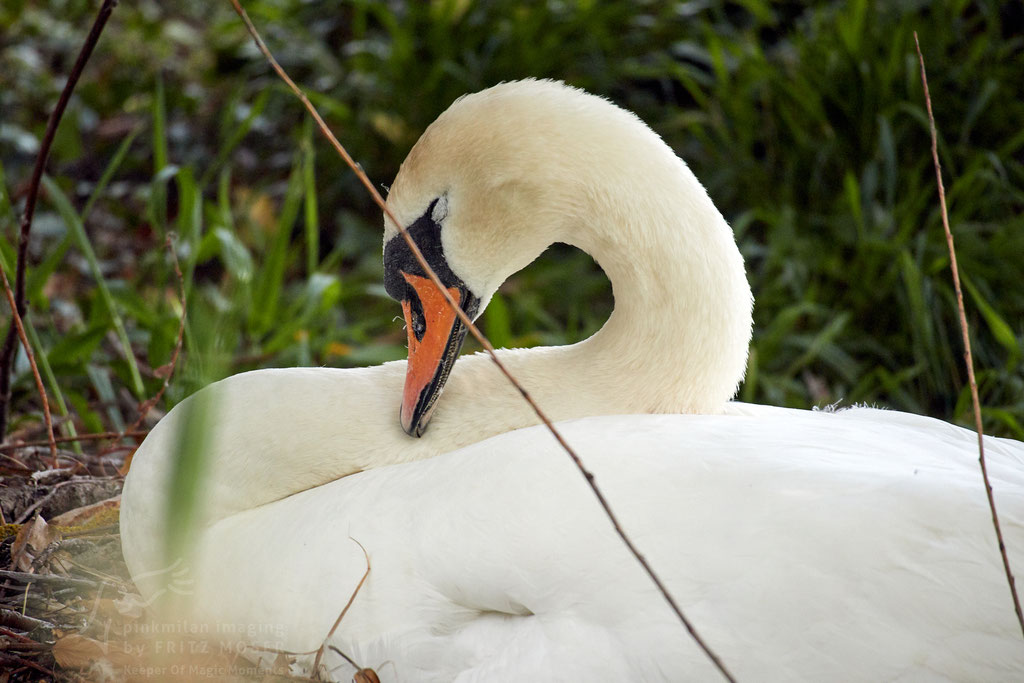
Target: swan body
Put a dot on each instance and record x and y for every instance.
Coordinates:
(859, 550)
(854, 545)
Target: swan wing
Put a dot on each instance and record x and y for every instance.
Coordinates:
(810, 546)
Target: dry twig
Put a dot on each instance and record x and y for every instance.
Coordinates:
(464, 319)
(320, 650)
(50, 580)
(14, 661)
(18, 302)
(9, 617)
(968, 358)
(99, 436)
(351, 599)
(19, 328)
(14, 634)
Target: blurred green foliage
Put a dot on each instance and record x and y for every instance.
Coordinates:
(804, 120)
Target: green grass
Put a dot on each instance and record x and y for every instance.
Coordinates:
(805, 123)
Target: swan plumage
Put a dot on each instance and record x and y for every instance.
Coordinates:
(852, 545)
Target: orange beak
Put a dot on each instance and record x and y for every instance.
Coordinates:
(435, 337)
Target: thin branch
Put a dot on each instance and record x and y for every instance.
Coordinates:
(7, 352)
(14, 634)
(479, 337)
(344, 611)
(9, 617)
(23, 646)
(12, 660)
(19, 327)
(320, 650)
(968, 358)
(101, 436)
(49, 580)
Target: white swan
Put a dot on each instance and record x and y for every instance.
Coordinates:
(804, 545)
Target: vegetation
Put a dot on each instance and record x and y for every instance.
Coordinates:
(804, 120)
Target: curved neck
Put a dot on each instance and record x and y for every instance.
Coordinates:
(679, 334)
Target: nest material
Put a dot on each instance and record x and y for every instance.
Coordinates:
(68, 608)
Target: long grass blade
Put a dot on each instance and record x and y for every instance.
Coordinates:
(236, 134)
(311, 211)
(74, 223)
(270, 277)
(39, 276)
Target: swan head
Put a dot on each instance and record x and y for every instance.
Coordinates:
(435, 332)
(477, 197)
(504, 173)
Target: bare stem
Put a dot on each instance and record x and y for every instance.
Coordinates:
(344, 611)
(479, 337)
(19, 327)
(102, 436)
(968, 358)
(18, 305)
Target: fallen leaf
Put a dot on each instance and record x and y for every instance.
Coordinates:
(32, 539)
(78, 652)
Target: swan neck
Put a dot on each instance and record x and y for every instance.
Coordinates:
(680, 329)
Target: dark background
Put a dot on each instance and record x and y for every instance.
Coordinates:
(805, 121)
